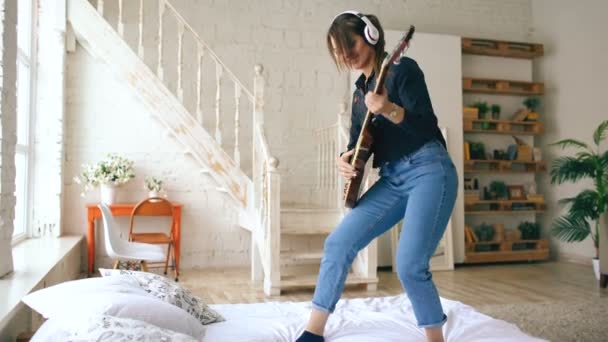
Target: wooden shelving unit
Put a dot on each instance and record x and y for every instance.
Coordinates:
(503, 127)
(501, 48)
(501, 251)
(504, 87)
(504, 166)
(505, 247)
(503, 207)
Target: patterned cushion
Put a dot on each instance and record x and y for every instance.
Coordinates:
(169, 291)
(109, 328)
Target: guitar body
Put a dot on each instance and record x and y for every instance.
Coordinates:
(352, 188)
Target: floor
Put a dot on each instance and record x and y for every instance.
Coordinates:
(546, 282)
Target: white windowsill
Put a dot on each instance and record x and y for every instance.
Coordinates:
(32, 260)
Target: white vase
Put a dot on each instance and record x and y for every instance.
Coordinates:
(108, 194)
(596, 268)
(153, 194)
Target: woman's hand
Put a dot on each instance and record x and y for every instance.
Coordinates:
(342, 162)
(378, 103)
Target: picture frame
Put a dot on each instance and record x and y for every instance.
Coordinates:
(516, 192)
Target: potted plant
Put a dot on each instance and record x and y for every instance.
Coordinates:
(154, 186)
(529, 230)
(478, 150)
(532, 104)
(498, 190)
(495, 111)
(107, 174)
(482, 108)
(484, 232)
(588, 208)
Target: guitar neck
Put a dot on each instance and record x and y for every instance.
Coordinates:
(368, 116)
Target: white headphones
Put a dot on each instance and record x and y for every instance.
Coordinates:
(371, 32)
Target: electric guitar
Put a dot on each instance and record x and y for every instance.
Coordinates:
(362, 151)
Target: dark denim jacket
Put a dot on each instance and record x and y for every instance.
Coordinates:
(406, 87)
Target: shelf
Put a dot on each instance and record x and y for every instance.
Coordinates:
(504, 166)
(501, 87)
(500, 48)
(506, 256)
(503, 127)
(482, 207)
(517, 250)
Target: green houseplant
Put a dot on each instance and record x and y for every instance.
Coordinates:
(482, 107)
(529, 230)
(498, 190)
(495, 111)
(588, 207)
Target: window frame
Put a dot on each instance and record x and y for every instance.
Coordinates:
(28, 149)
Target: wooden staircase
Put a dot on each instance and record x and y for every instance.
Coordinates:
(254, 187)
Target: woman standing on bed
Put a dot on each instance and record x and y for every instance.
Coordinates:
(418, 180)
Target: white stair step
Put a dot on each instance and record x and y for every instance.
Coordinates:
(308, 230)
(292, 257)
(311, 281)
(306, 221)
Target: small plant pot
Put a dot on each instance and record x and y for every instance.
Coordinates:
(107, 194)
(596, 268)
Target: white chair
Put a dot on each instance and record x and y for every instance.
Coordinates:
(120, 249)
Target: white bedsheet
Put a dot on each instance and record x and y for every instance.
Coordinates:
(356, 320)
(380, 319)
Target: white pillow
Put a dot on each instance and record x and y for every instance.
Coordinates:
(109, 328)
(71, 302)
(169, 291)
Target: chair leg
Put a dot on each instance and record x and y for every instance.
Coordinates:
(116, 263)
(144, 266)
(175, 272)
(168, 255)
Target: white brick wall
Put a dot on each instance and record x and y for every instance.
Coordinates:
(8, 136)
(303, 91)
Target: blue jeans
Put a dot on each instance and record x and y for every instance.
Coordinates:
(420, 189)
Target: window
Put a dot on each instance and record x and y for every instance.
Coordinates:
(25, 87)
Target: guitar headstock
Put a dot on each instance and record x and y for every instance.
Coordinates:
(401, 45)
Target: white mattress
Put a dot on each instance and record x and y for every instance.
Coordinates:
(380, 319)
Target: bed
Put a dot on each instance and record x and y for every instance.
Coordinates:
(355, 320)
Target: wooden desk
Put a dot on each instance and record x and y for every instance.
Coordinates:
(125, 209)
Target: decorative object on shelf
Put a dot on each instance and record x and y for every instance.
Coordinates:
(512, 152)
(520, 115)
(532, 104)
(529, 230)
(524, 151)
(482, 108)
(538, 154)
(495, 112)
(590, 206)
(484, 232)
(498, 190)
(470, 113)
(477, 150)
(512, 234)
(499, 232)
(516, 192)
(471, 189)
(107, 174)
(154, 186)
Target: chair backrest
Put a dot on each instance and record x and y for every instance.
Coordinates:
(153, 206)
(114, 244)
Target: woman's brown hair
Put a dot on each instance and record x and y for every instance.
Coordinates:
(343, 30)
